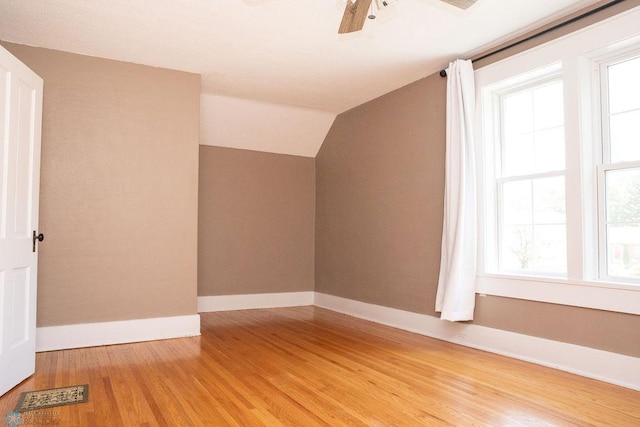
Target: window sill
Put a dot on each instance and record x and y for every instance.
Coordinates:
(618, 297)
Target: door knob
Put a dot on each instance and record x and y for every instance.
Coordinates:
(38, 237)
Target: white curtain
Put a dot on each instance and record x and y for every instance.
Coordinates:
(455, 299)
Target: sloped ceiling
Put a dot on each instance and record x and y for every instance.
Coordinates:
(254, 125)
(281, 52)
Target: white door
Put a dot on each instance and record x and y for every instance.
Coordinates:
(20, 131)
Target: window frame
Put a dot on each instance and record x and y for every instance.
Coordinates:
(577, 55)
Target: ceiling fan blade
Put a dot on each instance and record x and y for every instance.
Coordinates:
(355, 13)
(462, 4)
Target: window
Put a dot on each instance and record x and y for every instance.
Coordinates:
(619, 174)
(559, 170)
(530, 179)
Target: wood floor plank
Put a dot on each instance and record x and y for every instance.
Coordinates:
(307, 366)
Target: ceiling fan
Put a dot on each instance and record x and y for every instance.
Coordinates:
(356, 11)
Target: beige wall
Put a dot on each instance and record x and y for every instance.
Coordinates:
(380, 178)
(255, 222)
(380, 184)
(119, 179)
(119, 201)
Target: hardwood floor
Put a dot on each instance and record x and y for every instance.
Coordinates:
(307, 366)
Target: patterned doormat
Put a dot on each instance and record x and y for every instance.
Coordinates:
(40, 399)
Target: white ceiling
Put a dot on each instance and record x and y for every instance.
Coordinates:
(253, 125)
(277, 51)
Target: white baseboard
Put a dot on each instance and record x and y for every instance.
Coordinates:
(251, 301)
(120, 332)
(588, 362)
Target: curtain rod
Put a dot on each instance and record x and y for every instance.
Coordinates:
(443, 73)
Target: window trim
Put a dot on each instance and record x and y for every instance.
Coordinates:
(619, 297)
(576, 53)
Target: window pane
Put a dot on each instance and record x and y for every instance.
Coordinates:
(529, 249)
(518, 152)
(624, 131)
(518, 113)
(624, 86)
(549, 150)
(533, 226)
(624, 110)
(533, 125)
(516, 203)
(549, 248)
(623, 196)
(548, 106)
(534, 152)
(623, 222)
(623, 251)
(516, 249)
(549, 201)
(549, 231)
